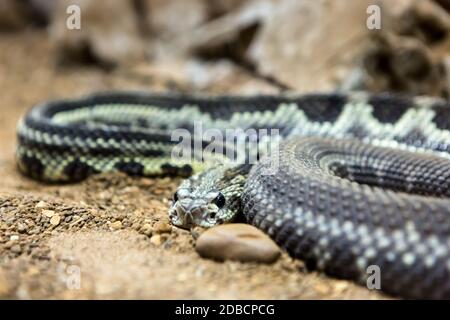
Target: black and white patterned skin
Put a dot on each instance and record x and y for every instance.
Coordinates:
(361, 179)
(326, 205)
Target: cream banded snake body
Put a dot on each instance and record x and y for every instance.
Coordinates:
(359, 180)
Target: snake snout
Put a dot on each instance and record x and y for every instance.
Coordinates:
(188, 212)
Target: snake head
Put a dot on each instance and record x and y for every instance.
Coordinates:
(206, 199)
(187, 211)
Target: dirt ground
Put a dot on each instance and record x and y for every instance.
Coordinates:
(100, 239)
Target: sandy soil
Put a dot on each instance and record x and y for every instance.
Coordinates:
(100, 238)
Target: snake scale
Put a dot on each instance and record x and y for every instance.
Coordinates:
(360, 180)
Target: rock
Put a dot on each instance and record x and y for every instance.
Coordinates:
(101, 39)
(117, 225)
(404, 56)
(225, 76)
(147, 229)
(9, 244)
(22, 228)
(240, 242)
(48, 213)
(17, 15)
(162, 227)
(219, 8)
(303, 43)
(35, 230)
(406, 64)
(228, 35)
(16, 249)
(14, 237)
(164, 15)
(41, 205)
(11, 17)
(159, 239)
(156, 240)
(424, 19)
(55, 220)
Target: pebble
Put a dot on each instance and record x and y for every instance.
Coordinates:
(162, 227)
(147, 229)
(35, 230)
(41, 205)
(116, 225)
(14, 237)
(16, 249)
(159, 239)
(48, 213)
(55, 220)
(156, 240)
(239, 242)
(9, 244)
(21, 227)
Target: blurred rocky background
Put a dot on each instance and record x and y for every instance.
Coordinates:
(248, 46)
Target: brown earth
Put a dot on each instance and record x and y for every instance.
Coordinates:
(112, 230)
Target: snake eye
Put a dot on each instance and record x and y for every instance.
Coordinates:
(219, 200)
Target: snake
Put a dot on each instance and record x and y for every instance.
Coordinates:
(344, 181)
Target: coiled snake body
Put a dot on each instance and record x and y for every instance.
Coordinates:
(359, 180)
